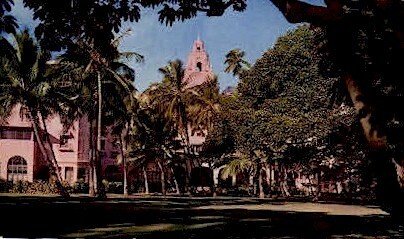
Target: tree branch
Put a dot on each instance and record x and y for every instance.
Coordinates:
(296, 11)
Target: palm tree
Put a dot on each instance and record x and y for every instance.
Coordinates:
(124, 118)
(90, 71)
(152, 139)
(24, 82)
(8, 23)
(252, 162)
(236, 63)
(206, 105)
(171, 98)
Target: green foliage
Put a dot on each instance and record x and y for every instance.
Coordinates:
(113, 187)
(285, 100)
(25, 79)
(5, 186)
(8, 23)
(41, 187)
(285, 110)
(80, 187)
(171, 98)
(204, 105)
(36, 187)
(235, 62)
(68, 20)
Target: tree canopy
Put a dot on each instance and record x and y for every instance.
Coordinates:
(282, 102)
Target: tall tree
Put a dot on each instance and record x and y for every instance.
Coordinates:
(172, 98)
(365, 41)
(89, 71)
(25, 82)
(205, 105)
(283, 103)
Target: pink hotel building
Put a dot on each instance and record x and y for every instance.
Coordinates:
(21, 159)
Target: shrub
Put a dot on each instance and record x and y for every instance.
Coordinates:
(5, 186)
(113, 187)
(80, 187)
(36, 187)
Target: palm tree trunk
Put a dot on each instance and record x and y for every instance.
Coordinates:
(177, 187)
(100, 188)
(46, 149)
(146, 182)
(91, 181)
(268, 176)
(188, 160)
(283, 182)
(318, 189)
(255, 181)
(260, 187)
(162, 177)
(125, 176)
(187, 150)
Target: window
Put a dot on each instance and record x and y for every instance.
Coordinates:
(64, 139)
(82, 173)
(64, 142)
(21, 134)
(199, 66)
(69, 174)
(198, 48)
(17, 169)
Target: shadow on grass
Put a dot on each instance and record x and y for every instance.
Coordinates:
(183, 218)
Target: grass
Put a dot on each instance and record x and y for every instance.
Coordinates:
(189, 218)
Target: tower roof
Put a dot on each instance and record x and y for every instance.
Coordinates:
(198, 68)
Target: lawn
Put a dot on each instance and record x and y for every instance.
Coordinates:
(190, 218)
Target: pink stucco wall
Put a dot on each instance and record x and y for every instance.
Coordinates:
(70, 157)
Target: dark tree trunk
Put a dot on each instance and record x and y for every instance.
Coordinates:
(100, 187)
(260, 186)
(125, 174)
(177, 187)
(45, 146)
(91, 181)
(283, 183)
(146, 182)
(162, 177)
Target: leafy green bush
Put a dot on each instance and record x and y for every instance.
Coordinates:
(80, 187)
(5, 186)
(113, 187)
(36, 187)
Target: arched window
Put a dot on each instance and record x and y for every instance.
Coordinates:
(17, 169)
(199, 66)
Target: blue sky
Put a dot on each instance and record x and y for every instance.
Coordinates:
(254, 31)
